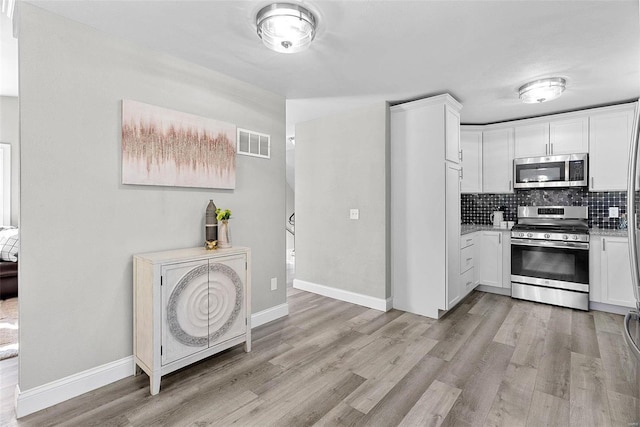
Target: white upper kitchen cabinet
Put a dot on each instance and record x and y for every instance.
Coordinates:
(531, 140)
(497, 160)
(452, 125)
(569, 136)
(471, 145)
(425, 219)
(609, 139)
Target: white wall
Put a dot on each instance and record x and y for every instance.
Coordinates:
(81, 226)
(10, 132)
(342, 162)
(291, 198)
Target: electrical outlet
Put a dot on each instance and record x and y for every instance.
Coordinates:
(274, 283)
(614, 212)
(354, 214)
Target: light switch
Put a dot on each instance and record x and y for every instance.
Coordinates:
(613, 212)
(354, 214)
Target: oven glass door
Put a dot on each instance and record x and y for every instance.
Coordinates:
(551, 263)
(540, 172)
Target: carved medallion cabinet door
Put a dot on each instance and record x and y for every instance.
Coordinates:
(203, 305)
(185, 309)
(227, 312)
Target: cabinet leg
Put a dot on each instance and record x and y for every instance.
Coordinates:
(137, 370)
(247, 345)
(155, 384)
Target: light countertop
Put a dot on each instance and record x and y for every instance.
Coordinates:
(608, 232)
(472, 228)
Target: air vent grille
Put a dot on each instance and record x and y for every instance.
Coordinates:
(254, 144)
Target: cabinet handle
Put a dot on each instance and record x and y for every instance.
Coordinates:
(460, 154)
(469, 240)
(592, 184)
(499, 238)
(461, 173)
(546, 149)
(603, 245)
(509, 185)
(551, 148)
(469, 259)
(469, 283)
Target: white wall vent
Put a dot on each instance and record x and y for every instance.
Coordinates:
(255, 144)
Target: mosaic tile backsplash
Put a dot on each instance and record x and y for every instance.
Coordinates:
(477, 208)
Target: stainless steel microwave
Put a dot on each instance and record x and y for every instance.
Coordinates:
(570, 170)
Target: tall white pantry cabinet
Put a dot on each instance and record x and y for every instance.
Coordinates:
(189, 304)
(425, 205)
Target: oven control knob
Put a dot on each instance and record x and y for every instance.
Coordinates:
(546, 236)
(565, 237)
(529, 235)
(575, 237)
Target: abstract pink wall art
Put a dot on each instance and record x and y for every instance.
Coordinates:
(170, 148)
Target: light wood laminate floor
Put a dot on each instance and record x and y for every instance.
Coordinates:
(491, 361)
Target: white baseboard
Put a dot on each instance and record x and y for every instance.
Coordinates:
(44, 396)
(494, 290)
(269, 315)
(342, 295)
(609, 308)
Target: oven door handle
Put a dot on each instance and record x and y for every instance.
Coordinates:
(548, 244)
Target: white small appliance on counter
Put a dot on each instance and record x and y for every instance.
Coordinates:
(496, 218)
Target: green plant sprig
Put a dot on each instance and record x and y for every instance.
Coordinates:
(223, 215)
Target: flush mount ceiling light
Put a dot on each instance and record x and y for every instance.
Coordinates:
(542, 90)
(286, 27)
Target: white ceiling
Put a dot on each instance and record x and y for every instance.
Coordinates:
(479, 51)
(365, 51)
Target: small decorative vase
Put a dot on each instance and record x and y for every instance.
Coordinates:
(211, 223)
(224, 234)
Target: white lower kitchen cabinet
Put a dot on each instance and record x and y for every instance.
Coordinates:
(468, 259)
(610, 272)
(490, 259)
(494, 260)
(188, 304)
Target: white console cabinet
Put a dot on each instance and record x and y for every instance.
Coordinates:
(188, 304)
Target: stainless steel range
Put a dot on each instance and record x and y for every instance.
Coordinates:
(550, 255)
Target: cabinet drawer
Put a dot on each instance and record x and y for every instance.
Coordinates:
(466, 258)
(467, 240)
(467, 281)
